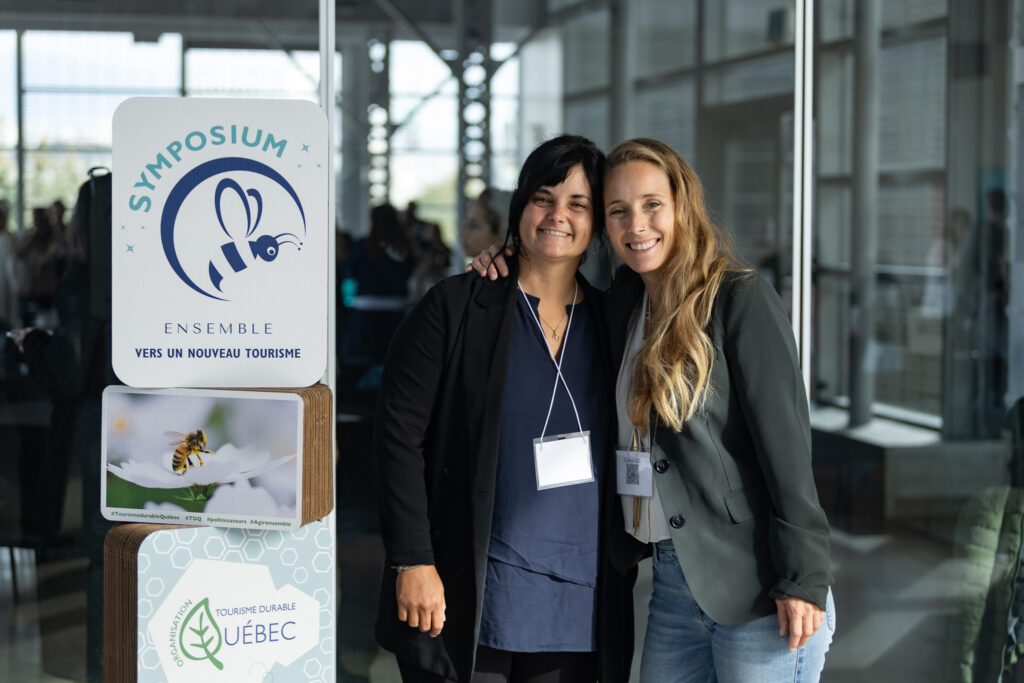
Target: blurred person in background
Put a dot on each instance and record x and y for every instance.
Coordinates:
(8, 286)
(431, 254)
(433, 262)
(37, 269)
(485, 222)
(377, 270)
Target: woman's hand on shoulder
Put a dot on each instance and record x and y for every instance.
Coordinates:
(491, 262)
(420, 595)
(800, 619)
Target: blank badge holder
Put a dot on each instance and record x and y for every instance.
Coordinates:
(563, 460)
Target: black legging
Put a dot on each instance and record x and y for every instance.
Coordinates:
(500, 666)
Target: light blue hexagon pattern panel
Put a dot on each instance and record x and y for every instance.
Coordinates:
(236, 606)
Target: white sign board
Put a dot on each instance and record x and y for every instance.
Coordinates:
(233, 606)
(219, 249)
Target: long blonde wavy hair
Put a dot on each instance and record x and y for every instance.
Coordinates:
(673, 367)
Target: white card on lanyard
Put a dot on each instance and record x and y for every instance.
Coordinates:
(633, 473)
(563, 460)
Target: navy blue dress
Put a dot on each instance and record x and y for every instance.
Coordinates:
(541, 588)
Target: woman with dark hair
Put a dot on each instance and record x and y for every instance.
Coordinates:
(491, 442)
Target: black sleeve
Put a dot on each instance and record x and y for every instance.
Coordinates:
(408, 391)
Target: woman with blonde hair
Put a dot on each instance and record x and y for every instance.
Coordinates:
(714, 446)
(709, 393)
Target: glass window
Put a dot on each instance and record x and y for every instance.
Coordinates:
(505, 81)
(898, 13)
(749, 80)
(415, 69)
(589, 117)
(62, 118)
(668, 112)
(252, 73)
(834, 101)
(733, 28)
(913, 96)
(8, 91)
(504, 126)
(430, 124)
(108, 61)
(928, 347)
(835, 20)
(586, 45)
(666, 36)
(540, 91)
(428, 178)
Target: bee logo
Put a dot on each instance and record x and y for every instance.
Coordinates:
(203, 266)
(187, 445)
(265, 247)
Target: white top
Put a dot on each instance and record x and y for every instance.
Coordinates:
(650, 524)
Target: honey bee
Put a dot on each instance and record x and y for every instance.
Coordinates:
(186, 446)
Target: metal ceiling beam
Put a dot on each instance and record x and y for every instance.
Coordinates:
(410, 26)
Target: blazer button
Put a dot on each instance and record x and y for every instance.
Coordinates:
(661, 467)
(677, 521)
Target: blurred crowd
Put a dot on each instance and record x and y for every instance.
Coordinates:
(32, 263)
(382, 274)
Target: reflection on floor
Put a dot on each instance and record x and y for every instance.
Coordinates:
(895, 596)
(50, 600)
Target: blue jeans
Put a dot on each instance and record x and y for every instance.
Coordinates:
(683, 644)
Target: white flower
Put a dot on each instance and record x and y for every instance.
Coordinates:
(245, 499)
(271, 423)
(229, 464)
(280, 483)
(164, 507)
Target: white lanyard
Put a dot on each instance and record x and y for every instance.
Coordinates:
(558, 363)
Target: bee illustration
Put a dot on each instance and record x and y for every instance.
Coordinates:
(264, 247)
(187, 445)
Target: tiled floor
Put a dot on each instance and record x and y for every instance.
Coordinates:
(895, 596)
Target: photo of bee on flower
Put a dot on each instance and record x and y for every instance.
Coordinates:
(237, 453)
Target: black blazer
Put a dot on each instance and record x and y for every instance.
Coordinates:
(736, 484)
(436, 446)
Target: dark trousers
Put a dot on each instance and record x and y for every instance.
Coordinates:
(500, 666)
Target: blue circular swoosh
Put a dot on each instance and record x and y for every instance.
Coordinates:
(188, 183)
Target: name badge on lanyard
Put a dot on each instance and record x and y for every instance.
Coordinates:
(561, 459)
(633, 473)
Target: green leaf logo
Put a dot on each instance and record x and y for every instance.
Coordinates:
(199, 637)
